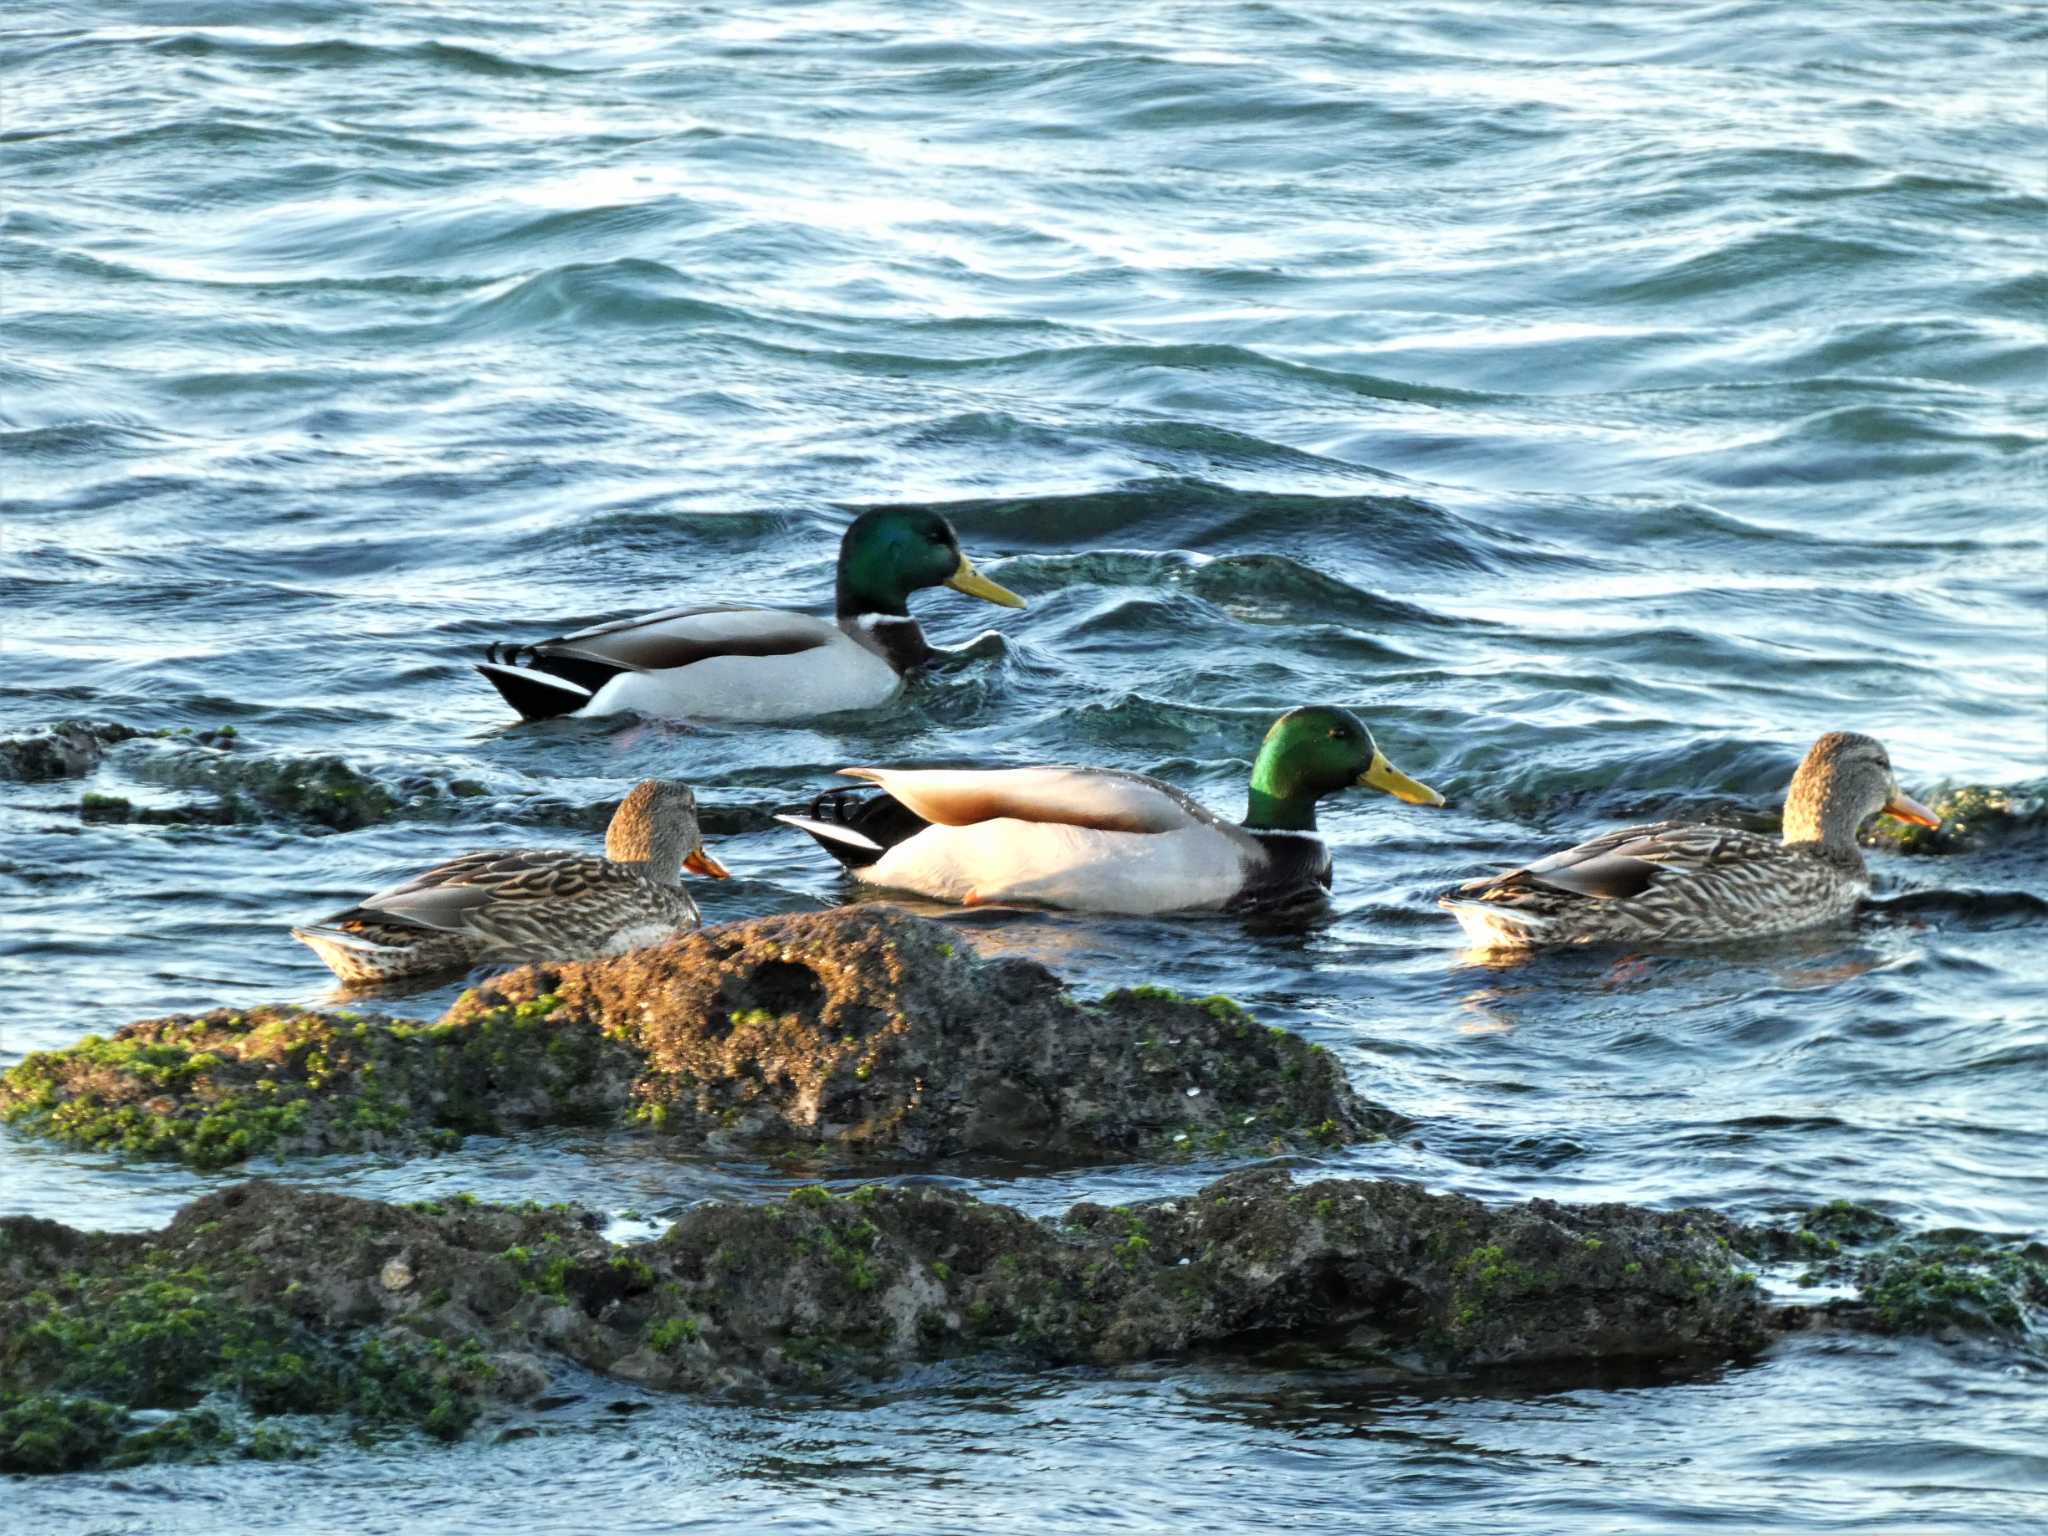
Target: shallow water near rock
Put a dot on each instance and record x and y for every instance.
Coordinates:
(1603, 406)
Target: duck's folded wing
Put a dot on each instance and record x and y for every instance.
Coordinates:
(682, 637)
(1624, 864)
(1076, 797)
(469, 894)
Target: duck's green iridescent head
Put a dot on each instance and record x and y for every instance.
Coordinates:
(890, 552)
(1316, 751)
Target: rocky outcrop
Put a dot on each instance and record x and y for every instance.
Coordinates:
(221, 779)
(263, 1299)
(850, 1032)
(241, 786)
(70, 749)
(322, 791)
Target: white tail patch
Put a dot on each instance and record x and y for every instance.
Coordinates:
(832, 832)
(336, 938)
(1489, 927)
(535, 675)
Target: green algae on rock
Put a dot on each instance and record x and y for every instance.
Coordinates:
(1969, 816)
(263, 1299)
(251, 1304)
(221, 1087)
(245, 787)
(324, 791)
(1953, 1284)
(854, 1031)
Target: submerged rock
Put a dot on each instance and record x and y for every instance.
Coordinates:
(324, 791)
(244, 786)
(853, 1031)
(1952, 1283)
(264, 1299)
(70, 749)
(1972, 817)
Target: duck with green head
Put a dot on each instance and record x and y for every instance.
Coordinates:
(739, 663)
(1100, 840)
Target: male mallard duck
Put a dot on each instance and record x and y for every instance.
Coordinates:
(1099, 840)
(1680, 881)
(530, 903)
(757, 663)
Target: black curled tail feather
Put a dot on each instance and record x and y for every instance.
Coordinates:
(874, 813)
(541, 685)
(872, 820)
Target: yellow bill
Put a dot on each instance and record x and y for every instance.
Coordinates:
(701, 863)
(1384, 776)
(967, 579)
(1906, 808)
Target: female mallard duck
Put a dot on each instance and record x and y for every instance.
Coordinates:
(757, 663)
(1681, 882)
(1098, 840)
(530, 903)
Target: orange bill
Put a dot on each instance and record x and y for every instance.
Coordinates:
(1906, 808)
(701, 863)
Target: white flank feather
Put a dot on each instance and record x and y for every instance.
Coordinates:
(1055, 865)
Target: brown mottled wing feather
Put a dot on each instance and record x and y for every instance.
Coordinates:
(530, 899)
(1626, 864)
(1675, 881)
(681, 637)
(444, 896)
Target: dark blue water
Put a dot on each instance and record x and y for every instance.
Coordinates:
(1605, 401)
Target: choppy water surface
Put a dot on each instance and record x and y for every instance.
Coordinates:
(1605, 401)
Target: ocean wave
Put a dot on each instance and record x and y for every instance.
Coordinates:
(627, 294)
(337, 53)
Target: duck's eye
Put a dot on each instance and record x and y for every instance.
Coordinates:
(1338, 733)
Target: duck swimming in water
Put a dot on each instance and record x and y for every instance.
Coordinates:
(1684, 882)
(530, 903)
(737, 663)
(1099, 840)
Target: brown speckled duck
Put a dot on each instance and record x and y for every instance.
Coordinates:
(530, 903)
(1681, 882)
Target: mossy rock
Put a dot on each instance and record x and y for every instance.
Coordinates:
(226, 1086)
(848, 1033)
(262, 1300)
(223, 1329)
(322, 791)
(53, 1432)
(1970, 817)
(1826, 1238)
(1957, 1284)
